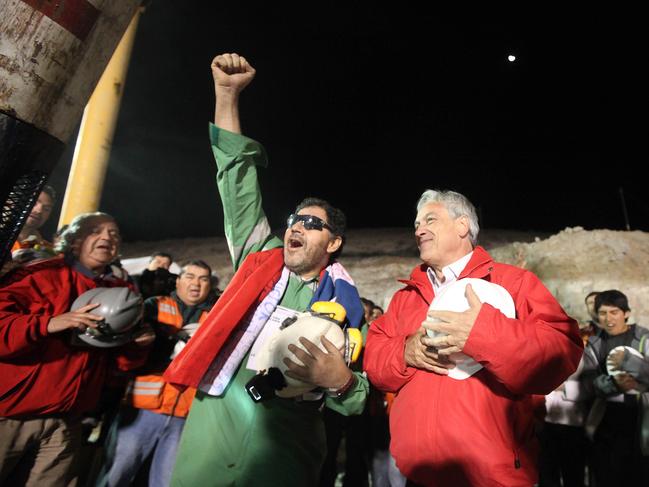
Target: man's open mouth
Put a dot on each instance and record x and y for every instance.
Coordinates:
(294, 243)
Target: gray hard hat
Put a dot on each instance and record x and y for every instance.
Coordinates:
(121, 309)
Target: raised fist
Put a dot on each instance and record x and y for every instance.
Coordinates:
(231, 72)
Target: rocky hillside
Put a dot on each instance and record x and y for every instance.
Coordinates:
(576, 261)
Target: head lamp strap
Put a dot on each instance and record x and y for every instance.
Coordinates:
(349, 349)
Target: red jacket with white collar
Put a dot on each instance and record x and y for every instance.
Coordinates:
(478, 431)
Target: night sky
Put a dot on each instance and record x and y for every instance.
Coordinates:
(369, 107)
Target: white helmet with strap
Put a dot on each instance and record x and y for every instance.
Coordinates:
(326, 319)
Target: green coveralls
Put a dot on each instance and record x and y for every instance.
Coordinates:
(230, 440)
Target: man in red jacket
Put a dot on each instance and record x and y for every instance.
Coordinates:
(46, 383)
(477, 431)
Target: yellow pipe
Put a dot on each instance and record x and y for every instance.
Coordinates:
(91, 153)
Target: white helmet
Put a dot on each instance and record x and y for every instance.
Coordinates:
(452, 298)
(324, 319)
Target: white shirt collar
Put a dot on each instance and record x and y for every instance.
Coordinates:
(451, 273)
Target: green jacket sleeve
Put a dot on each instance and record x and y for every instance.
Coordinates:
(246, 226)
(354, 401)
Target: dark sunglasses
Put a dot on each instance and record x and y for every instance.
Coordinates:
(310, 222)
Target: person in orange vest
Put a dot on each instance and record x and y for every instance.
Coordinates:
(154, 416)
(30, 244)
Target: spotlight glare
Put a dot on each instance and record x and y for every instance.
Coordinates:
(511, 58)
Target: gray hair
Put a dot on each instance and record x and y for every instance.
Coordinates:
(76, 228)
(456, 205)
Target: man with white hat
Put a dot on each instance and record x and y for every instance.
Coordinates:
(465, 372)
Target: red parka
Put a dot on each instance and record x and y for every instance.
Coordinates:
(478, 431)
(41, 373)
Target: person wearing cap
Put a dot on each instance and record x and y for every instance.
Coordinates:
(461, 429)
(229, 439)
(615, 379)
(154, 415)
(47, 381)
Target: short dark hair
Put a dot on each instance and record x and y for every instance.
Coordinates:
(612, 297)
(49, 191)
(196, 262)
(335, 218)
(161, 254)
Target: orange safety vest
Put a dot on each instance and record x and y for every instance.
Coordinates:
(31, 244)
(150, 391)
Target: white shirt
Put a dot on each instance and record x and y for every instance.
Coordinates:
(451, 273)
(560, 410)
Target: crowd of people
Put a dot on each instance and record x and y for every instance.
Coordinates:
(110, 379)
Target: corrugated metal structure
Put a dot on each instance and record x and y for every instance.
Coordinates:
(51, 56)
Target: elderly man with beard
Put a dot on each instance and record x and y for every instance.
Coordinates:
(478, 431)
(229, 439)
(46, 383)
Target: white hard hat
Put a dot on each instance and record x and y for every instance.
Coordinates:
(185, 333)
(614, 371)
(310, 325)
(324, 319)
(452, 298)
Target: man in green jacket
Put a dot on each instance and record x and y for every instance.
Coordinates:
(228, 438)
